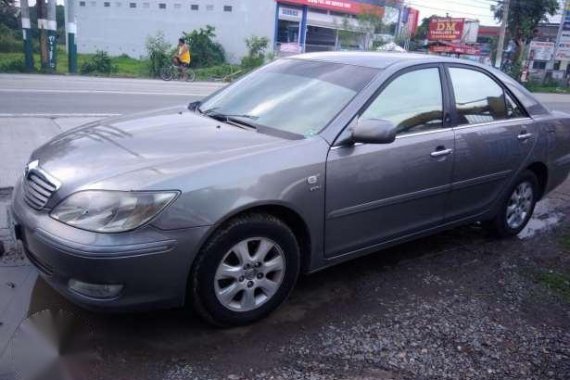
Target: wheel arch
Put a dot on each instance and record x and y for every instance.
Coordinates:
(541, 171)
(288, 215)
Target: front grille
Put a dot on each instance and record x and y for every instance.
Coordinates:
(38, 187)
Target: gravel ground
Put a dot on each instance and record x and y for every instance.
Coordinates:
(459, 305)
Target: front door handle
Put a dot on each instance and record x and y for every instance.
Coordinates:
(524, 136)
(441, 153)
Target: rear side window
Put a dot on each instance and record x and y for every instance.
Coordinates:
(413, 102)
(478, 98)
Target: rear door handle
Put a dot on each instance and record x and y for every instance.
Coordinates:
(441, 153)
(524, 136)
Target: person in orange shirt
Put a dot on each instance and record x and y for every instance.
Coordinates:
(182, 58)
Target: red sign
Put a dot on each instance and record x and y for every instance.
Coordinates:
(413, 19)
(344, 6)
(455, 49)
(445, 29)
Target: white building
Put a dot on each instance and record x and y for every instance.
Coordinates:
(121, 26)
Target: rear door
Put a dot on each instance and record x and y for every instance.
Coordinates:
(378, 192)
(493, 136)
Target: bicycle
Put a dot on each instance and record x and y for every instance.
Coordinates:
(173, 71)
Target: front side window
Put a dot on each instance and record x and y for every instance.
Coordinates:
(478, 98)
(292, 95)
(413, 102)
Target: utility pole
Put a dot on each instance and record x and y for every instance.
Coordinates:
(42, 26)
(71, 29)
(501, 44)
(27, 35)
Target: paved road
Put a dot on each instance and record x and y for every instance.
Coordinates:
(42, 94)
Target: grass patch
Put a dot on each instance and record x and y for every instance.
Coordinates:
(126, 66)
(558, 283)
(548, 89)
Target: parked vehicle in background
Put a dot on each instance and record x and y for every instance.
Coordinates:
(300, 165)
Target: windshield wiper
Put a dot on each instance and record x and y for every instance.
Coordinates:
(234, 118)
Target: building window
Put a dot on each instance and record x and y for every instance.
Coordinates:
(194, 7)
(146, 5)
(82, 3)
(177, 6)
(106, 4)
(227, 8)
(209, 7)
(539, 65)
(132, 5)
(93, 4)
(161, 5)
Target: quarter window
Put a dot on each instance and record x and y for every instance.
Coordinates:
(478, 98)
(413, 102)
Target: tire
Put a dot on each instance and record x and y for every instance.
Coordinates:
(226, 300)
(191, 76)
(166, 73)
(513, 208)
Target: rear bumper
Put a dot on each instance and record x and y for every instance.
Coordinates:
(151, 265)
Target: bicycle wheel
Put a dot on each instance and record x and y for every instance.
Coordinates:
(167, 73)
(191, 76)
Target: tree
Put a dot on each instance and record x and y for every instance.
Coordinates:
(524, 17)
(205, 51)
(159, 53)
(9, 14)
(256, 47)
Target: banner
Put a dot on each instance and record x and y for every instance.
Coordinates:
(541, 51)
(445, 29)
(343, 6)
(563, 48)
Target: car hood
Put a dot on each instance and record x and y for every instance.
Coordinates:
(152, 145)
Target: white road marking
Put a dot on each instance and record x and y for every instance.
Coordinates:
(55, 91)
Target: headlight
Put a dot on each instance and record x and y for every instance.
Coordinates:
(111, 211)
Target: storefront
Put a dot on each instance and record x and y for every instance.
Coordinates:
(314, 25)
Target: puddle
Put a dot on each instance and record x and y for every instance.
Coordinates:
(545, 217)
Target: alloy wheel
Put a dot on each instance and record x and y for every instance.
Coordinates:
(520, 205)
(249, 274)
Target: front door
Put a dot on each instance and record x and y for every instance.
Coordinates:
(378, 192)
(493, 138)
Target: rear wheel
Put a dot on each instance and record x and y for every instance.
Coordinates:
(246, 270)
(167, 73)
(517, 206)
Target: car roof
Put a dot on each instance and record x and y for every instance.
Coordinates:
(375, 60)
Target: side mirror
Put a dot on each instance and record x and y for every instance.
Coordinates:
(194, 105)
(374, 131)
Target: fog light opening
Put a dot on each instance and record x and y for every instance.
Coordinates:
(101, 291)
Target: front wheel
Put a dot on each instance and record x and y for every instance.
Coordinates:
(167, 73)
(245, 271)
(517, 206)
(191, 76)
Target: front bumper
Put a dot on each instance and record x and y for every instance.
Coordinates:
(151, 264)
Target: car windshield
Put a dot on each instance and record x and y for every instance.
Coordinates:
(292, 95)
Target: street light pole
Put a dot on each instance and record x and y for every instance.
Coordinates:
(501, 44)
(27, 35)
(71, 29)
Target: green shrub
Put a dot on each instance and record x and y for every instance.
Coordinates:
(15, 65)
(204, 50)
(218, 72)
(10, 40)
(256, 52)
(100, 63)
(159, 53)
